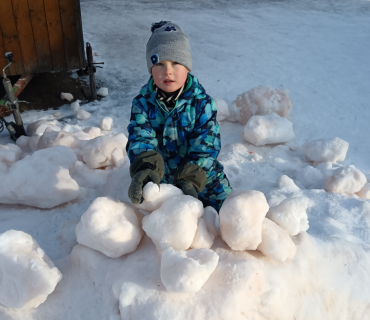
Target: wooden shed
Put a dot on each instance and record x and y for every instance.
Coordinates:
(44, 35)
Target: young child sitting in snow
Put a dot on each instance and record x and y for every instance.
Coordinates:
(174, 137)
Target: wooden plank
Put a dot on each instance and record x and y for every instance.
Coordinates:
(10, 36)
(3, 61)
(55, 34)
(25, 34)
(67, 15)
(18, 87)
(80, 36)
(41, 35)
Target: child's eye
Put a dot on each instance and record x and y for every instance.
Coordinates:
(159, 64)
(175, 63)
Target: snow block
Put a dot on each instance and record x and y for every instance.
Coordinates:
(187, 271)
(241, 217)
(212, 220)
(260, 101)
(28, 275)
(276, 243)
(268, 129)
(325, 150)
(38, 127)
(58, 138)
(223, 112)
(97, 152)
(75, 106)
(103, 92)
(347, 180)
(364, 193)
(41, 180)
(311, 178)
(291, 215)
(66, 96)
(92, 131)
(10, 153)
(82, 114)
(286, 184)
(174, 224)
(155, 196)
(106, 123)
(203, 238)
(110, 227)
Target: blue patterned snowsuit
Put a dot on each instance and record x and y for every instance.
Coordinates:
(187, 134)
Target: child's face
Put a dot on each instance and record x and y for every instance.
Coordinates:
(169, 75)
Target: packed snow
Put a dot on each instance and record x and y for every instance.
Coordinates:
(365, 191)
(318, 50)
(75, 106)
(106, 123)
(66, 96)
(82, 114)
(103, 92)
(28, 275)
(268, 129)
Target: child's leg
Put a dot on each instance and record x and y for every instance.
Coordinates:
(215, 192)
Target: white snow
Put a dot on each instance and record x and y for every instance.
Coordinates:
(212, 220)
(75, 106)
(325, 150)
(57, 114)
(291, 215)
(241, 217)
(187, 271)
(268, 129)
(38, 127)
(42, 180)
(106, 123)
(311, 178)
(286, 184)
(364, 192)
(58, 138)
(260, 101)
(110, 227)
(103, 92)
(28, 275)
(203, 238)
(97, 152)
(66, 96)
(83, 114)
(223, 112)
(92, 131)
(345, 180)
(276, 243)
(174, 224)
(10, 154)
(154, 195)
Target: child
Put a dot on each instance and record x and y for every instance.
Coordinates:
(173, 133)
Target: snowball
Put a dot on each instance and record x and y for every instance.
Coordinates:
(268, 129)
(92, 131)
(325, 150)
(311, 178)
(118, 158)
(103, 92)
(106, 123)
(66, 96)
(10, 153)
(75, 106)
(110, 227)
(286, 184)
(260, 101)
(276, 243)
(38, 127)
(241, 217)
(41, 180)
(154, 196)
(223, 111)
(57, 114)
(212, 220)
(203, 238)
(187, 271)
(28, 275)
(174, 224)
(54, 138)
(97, 152)
(364, 192)
(345, 180)
(83, 115)
(291, 215)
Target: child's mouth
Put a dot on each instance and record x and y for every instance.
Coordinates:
(168, 81)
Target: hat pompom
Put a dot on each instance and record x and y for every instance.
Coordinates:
(157, 25)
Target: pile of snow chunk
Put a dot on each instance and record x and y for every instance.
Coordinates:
(27, 275)
(291, 215)
(260, 101)
(106, 123)
(187, 271)
(9, 154)
(110, 227)
(268, 129)
(364, 192)
(174, 224)
(66, 96)
(39, 126)
(276, 243)
(58, 138)
(154, 196)
(325, 150)
(310, 178)
(41, 180)
(347, 180)
(223, 112)
(207, 229)
(98, 152)
(28, 144)
(241, 217)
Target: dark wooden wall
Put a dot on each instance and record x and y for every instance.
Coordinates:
(44, 35)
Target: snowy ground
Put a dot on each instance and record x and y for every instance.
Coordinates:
(319, 51)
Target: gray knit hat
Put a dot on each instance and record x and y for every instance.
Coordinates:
(168, 42)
